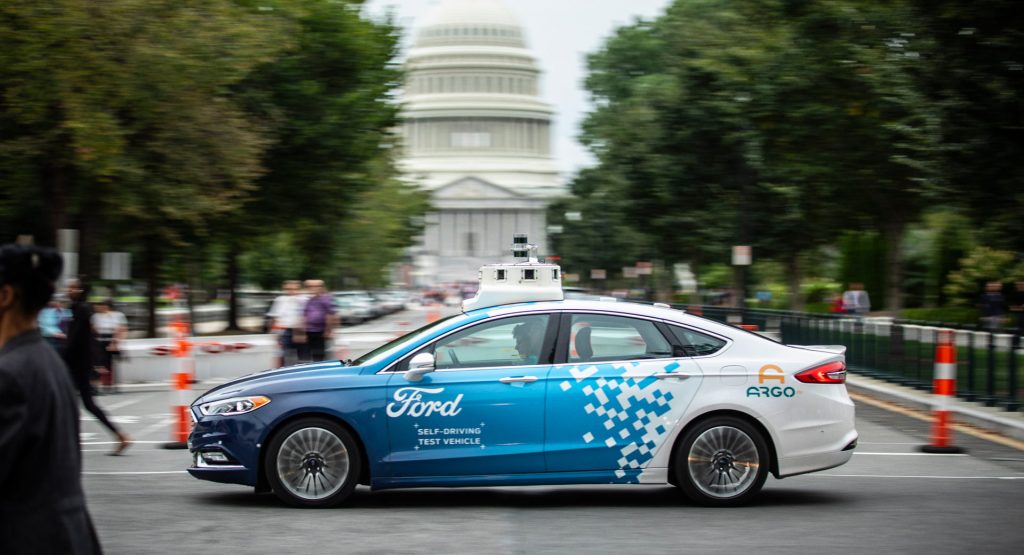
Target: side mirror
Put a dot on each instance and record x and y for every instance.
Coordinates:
(420, 364)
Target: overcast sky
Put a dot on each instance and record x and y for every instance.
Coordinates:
(560, 33)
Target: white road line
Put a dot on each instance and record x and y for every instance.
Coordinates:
(150, 429)
(135, 473)
(115, 418)
(113, 442)
(925, 477)
(126, 403)
(913, 454)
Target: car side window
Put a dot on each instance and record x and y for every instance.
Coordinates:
(598, 337)
(513, 341)
(696, 344)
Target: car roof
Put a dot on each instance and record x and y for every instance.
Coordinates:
(626, 308)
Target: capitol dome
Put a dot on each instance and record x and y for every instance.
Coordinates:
(481, 19)
(477, 135)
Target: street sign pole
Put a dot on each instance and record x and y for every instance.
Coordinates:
(741, 258)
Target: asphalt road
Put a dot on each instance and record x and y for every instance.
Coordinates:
(889, 498)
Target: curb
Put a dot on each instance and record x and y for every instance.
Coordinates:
(1010, 424)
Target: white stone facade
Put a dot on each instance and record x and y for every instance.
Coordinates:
(478, 137)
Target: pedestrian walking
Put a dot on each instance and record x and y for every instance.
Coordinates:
(286, 319)
(42, 505)
(856, 300)
(836, 305)
(993, 306)
(318, 319)
(111, 328)
(53, 323)
(1017, 304)
(78, 354)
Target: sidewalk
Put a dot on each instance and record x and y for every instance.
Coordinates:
(993, 419)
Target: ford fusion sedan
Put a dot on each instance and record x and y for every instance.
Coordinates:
(536, 393)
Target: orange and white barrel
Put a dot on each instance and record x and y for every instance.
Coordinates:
(943, 390)
(181, 381)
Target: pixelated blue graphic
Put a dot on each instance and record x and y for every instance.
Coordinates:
(628, 413)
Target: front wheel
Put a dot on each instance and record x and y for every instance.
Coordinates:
(313, 462)
(722, 462)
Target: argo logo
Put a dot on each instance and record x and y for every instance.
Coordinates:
(770, 372)
(763, 374)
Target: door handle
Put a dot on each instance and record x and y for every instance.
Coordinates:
(667, 375)
(518, 379)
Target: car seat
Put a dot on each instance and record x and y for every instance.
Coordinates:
(583, 347)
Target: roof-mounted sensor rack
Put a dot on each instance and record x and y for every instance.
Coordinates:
(524, 280)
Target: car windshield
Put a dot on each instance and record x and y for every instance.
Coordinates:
(398, 343)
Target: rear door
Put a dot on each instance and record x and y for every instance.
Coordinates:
(616, 391)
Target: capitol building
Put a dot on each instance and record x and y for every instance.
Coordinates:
(477, 136)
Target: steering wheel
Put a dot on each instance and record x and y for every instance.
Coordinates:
(454, 357)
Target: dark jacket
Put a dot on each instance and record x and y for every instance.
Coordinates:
(42, 505)
(78, 352)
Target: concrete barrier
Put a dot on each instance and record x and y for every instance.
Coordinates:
(151, 360)
(229, 356)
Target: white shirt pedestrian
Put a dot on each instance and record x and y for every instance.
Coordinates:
(108, 324)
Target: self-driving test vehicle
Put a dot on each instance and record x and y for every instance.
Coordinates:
(524, 388)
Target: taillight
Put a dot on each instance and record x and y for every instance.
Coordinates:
(833, 372)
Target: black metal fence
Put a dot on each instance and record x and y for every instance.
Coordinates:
(989, 362)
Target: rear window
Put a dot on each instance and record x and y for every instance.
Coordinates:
(695, 343)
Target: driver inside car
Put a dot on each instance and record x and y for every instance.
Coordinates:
(528, 337)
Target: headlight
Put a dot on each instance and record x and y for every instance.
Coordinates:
(235, 405)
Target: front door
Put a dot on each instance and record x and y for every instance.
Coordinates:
(481, 412)
(620, 392)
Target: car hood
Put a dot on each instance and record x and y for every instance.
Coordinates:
(273, 377)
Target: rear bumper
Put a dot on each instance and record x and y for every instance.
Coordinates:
(792, 466)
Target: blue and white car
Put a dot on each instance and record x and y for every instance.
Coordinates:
(522, 388)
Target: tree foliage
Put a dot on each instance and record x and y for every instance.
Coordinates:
(784, 124)
(176, 128)
(327, 101)
(981, 265)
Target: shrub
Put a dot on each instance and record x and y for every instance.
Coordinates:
(953, 315)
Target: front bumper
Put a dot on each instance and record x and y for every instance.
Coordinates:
(236, 441)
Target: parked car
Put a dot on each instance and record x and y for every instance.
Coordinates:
(351, 310)
(362, 298)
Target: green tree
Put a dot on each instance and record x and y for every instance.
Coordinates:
(119, 114)
(328, 100)
(982, 265)
(376, 235)
(595, 230)
(766, 122)
(975, 75)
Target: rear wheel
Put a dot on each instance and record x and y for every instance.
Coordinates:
(722, 461)
(313, 462)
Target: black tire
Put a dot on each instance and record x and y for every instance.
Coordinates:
(722, 462)
(313, 462)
